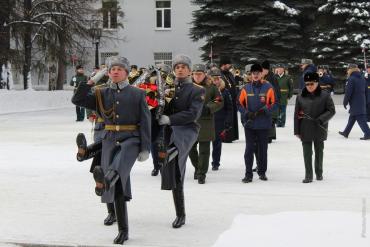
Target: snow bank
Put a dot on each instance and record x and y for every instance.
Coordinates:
(290, 11)
(25, 101)
(291, 229)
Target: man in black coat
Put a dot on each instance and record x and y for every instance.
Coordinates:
(313, 109)
(367, 78)
(232, 87)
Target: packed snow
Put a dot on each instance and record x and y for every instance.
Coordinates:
(290, 11)
(48, 197)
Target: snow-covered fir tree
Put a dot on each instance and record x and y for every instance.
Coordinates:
(344, 27)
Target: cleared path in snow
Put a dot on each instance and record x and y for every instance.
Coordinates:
(48, 197)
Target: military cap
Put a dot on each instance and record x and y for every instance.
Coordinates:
(199, 68)
(225, 60)
(118, 61)
(311, 76)
(181, 59)
(306, 61)
(214, 72)
(79, 67)
(164, 68)
(256, 68)
(265, 64)
(352, 66)
(248, 68)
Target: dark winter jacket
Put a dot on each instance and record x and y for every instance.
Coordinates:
(77, 80)
(224, 117)
(327, 80)
(212, 103)
(286, 88)
(356, 94)
(311, 68)
(312, 114)
(256, 104)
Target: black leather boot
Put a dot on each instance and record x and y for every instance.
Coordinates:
(122, 219)
(99, 178)
(86, 152)
(111, 218)
(110, 179)
(178, 198)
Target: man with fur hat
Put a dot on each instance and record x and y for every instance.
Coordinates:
(306, 66)
(256, 104)
(76, 80)
(127, 135)
(183, 112)
(230, 84)
(212, 103)
(313, 109)
(356, 97)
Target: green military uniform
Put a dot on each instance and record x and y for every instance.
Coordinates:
(75, 82)
(213, 102)
(286, 92)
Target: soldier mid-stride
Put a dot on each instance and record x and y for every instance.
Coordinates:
(127, 134)
(182, 113)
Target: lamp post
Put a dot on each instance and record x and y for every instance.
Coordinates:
(96, 34)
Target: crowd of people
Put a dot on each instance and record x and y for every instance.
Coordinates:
(200, 107)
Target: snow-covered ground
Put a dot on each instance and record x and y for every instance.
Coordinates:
(47, 197)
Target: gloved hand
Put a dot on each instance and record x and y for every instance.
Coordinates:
(227, 125)
(143, 156)
(100, 74)
(251, 115)
(260, 113)
(345, 107)
(164, 120)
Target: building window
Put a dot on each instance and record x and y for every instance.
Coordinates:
(163, 14)
(163, 57)
(105, 55)
(110, 12)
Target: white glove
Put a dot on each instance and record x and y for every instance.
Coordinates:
(164, 120)
(143, 156)
(100, 74)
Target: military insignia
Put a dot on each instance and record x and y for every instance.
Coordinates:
(74, 79)
(263, 99)
(203, 97)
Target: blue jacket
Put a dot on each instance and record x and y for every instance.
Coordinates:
(356, 94)
(368, 90)
(311, 68)
(257, 98)
(224, 117)
(326, 80)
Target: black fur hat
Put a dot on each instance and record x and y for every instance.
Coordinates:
(311, 77)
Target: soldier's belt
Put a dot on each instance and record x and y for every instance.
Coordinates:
(126, 127)
(283, 90)
(100, 120)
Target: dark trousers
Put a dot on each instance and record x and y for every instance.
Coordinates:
(154, 153)
(216, 151)
(307, 155)
(260, 139)
(362, 122)
(282, 116)
(200, 160)
(80, 112)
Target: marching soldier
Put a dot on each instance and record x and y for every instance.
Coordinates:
(182, 113)
(76, 80)
(212, 103)
(127, 135)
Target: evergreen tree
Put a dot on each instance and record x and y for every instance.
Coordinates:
(253, 30)
(344, 28)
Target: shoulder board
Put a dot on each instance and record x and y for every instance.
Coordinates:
(197, 85)
(101, 85)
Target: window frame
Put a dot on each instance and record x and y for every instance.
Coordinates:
(164, 57)
(109, 15)
(162, 9)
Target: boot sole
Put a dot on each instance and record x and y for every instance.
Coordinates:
(99, 178)
(82, 145)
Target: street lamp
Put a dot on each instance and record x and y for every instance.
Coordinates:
(96, 34)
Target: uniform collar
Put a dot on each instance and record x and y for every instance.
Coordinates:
(120, 85)
(182, 81)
